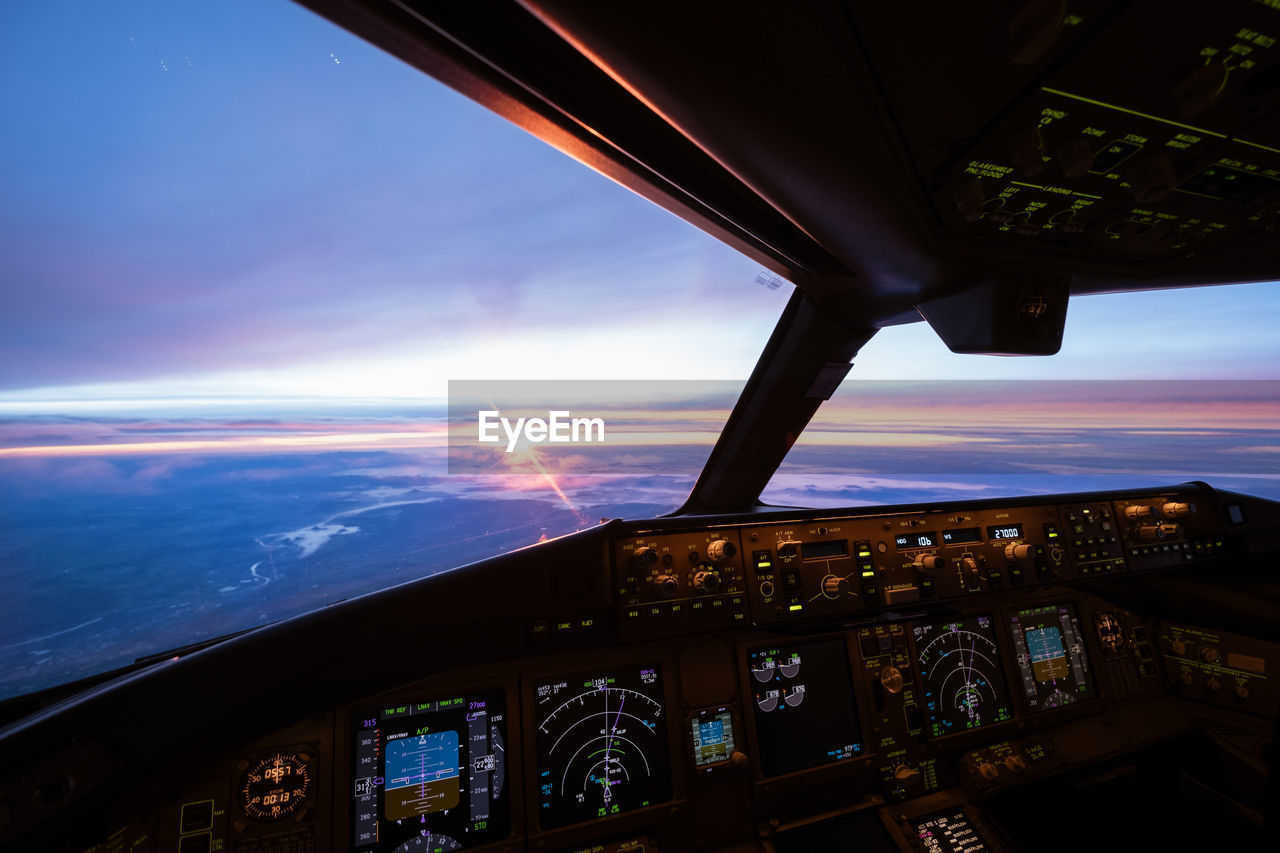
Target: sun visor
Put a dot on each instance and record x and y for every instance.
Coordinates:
(1011, 315)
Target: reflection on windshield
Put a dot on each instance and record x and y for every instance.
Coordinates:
(244, 252)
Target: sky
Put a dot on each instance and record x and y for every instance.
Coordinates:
(208, 211)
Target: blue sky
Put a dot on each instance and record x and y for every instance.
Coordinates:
(238, 199)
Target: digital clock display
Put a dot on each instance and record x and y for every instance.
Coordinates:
(1005, 531)
(923, 539)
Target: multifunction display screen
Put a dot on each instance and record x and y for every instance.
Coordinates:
(803, 705)
(713, 736)
(602, 744)
(430, 775)
(1052, 661)
(948, 831)
(964, 686)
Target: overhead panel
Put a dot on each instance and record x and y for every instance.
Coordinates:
(1136, 132)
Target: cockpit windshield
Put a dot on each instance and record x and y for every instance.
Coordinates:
(243, 253)
(1150, 388)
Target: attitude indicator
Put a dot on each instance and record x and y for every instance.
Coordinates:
(1052, 661)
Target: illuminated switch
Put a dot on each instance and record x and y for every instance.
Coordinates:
(901, 595)
(201, 843)
(196, 816)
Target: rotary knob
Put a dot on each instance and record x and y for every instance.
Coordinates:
(929, 563)
(905, 773)
(1169, 530)
(1151, 531)
(1137, 513)
(1016, 551)
(891, 679)
(1209, 654)
(706, 581)
(988, 771)
(1177, 510)
(1178, 647)
(645, 557)
(1016, 763)
(721, 550)
(668, 584)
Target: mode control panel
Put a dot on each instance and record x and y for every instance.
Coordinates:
(836, 567)
(673, 577)
(678, 583)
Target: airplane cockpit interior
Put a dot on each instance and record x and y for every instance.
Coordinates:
(1077, 671)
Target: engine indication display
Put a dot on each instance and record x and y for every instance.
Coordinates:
(1052, 660)
(430, 776)
(602, 745)
(964, 687)
(803, 705)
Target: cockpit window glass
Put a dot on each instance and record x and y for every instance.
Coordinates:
(1150, 389)
(242, 254)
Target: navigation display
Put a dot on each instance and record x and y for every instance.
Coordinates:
(1052, 661)
(602, 745)
(430, 775)
(803, 705)
(964, 687)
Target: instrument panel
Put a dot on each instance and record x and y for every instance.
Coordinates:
(712, 732)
